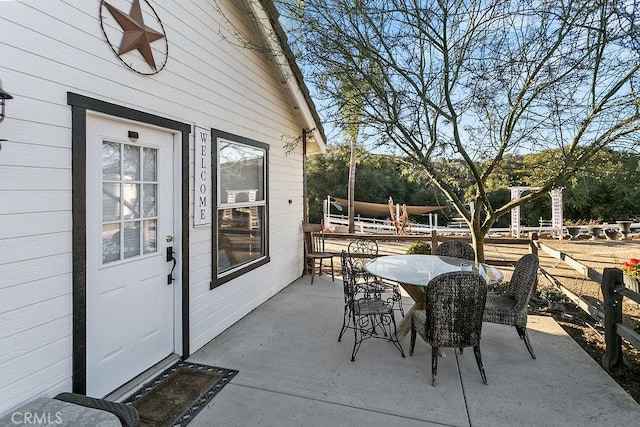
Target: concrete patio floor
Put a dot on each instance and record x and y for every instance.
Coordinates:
(293, 372)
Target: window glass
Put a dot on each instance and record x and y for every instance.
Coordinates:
(110, 243)
(241, 215)
(150, 157)
(240, 236)
(110, 201)
(111, 161)
(241, 173)
(129, 201)
(131, 163)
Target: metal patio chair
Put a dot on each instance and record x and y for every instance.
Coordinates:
(365, 313)
(360, 251)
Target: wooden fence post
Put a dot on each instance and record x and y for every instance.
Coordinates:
(434, 240)
(612, 359)
(533, 237)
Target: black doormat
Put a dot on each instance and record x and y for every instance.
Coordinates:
(176, 395)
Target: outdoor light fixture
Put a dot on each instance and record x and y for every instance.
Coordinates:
(3, 97)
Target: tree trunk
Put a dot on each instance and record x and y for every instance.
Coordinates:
(352, 187)
(477, 241)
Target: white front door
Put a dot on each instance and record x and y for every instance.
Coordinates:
(130, 224)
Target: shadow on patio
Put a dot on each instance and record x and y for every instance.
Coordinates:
(294, 372)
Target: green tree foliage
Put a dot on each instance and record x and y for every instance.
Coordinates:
(607, 188)
(379, 176)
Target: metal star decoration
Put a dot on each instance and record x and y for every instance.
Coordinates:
(136, 34)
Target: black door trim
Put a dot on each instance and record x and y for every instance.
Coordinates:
(79, 106)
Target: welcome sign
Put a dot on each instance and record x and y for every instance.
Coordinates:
(202, 184)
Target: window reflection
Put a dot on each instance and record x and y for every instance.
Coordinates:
(241, 168)
(240, 237)
(129, 195)
(241, 219)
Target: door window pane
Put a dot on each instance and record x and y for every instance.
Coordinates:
(150, 236)
(110, 242)
(131, 239)
(150, 159)
(131, 163)
(150, 203)
(110, 201)
(131, 201)
(111, 161)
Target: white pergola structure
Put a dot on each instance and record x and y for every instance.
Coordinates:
(556, 210)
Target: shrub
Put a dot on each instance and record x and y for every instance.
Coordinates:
(421, 248)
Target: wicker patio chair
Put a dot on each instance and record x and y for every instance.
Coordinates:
(364, 312)
(127, 415)
(456, 249)
(314, 248)
(454, 304)
(360, 251)
(511, 307)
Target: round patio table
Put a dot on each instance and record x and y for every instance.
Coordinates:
(413, 273)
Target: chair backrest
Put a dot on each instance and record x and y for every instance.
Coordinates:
(456, 249)
(313, 237)
(523, 280)
(360, 251)
(348, 276)
(454, 307)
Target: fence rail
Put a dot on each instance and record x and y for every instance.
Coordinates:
(379, 226)
(435, 237)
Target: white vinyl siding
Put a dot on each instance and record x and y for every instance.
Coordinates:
(49, 48)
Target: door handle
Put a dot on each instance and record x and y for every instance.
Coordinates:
(170, 258)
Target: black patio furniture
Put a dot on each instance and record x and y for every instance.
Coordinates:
(454, 303)
(366, 313)
(127, 415)
(510, 308)
(360, 252)
(456, 249)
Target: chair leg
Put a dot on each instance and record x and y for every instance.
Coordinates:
(434, 365)
(320, 268)
(313, 270)
(345, 323)
(393, 336)
(522, 331)
(476, 352)
(413, 339)
(356, 342)
(384, 330)
(332, 274)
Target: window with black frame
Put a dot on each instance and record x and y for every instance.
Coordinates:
(241, 215)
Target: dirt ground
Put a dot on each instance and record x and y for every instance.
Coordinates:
(549, 301)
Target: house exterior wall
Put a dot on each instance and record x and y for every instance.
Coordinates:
(51, 48)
